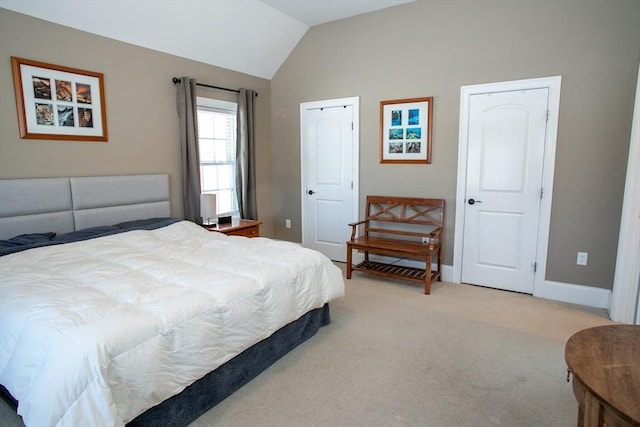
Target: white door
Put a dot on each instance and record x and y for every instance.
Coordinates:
(505, 157)
(329, 168)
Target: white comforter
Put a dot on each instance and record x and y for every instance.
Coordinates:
(94, 333)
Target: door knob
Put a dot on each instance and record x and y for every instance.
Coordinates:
(473, 201)
(310, 192)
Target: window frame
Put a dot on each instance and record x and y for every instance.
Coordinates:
(226, 107)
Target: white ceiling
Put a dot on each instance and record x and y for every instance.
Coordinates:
(314, 12)
(249, 36)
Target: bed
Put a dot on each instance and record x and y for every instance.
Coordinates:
(113, 313)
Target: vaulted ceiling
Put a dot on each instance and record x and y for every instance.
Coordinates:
(249, 36)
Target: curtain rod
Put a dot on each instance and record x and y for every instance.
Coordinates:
(176, 80)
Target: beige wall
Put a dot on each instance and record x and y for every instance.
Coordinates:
(431, 48)
(141, 108)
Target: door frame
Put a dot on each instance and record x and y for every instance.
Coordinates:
(553, 84)
(625, 297)
(354, 102)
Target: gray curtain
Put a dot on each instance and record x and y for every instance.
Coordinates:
(245, 155)
(190, 158)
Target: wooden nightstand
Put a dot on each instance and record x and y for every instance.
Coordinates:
(238, 227)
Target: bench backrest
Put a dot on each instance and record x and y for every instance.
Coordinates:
(403, 216)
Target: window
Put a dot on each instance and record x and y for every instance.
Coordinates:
(217, 145)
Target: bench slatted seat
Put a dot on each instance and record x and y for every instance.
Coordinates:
(402, 227)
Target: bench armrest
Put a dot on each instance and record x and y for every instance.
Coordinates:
(435, 238)
(354, 227)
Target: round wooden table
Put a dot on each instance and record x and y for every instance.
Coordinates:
(605, 363)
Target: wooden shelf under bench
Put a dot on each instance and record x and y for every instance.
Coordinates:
(394, 270)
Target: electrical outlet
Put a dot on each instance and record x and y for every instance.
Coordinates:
(582, 258)
(287, 223)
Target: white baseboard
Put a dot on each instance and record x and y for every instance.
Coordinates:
(447, 273)
(575, 294)
(556, 291)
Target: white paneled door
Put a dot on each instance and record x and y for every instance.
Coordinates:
(505, 157)
(329, 199)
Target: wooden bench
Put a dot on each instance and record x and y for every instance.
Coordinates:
(402, 227)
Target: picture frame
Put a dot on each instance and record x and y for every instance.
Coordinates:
(405, 130)
(59, 103)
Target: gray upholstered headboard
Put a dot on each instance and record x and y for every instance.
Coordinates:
(61, 205)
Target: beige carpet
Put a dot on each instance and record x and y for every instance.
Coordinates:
(462, 356)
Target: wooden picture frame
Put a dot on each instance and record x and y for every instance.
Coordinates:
(59, 103)
(405, 130)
